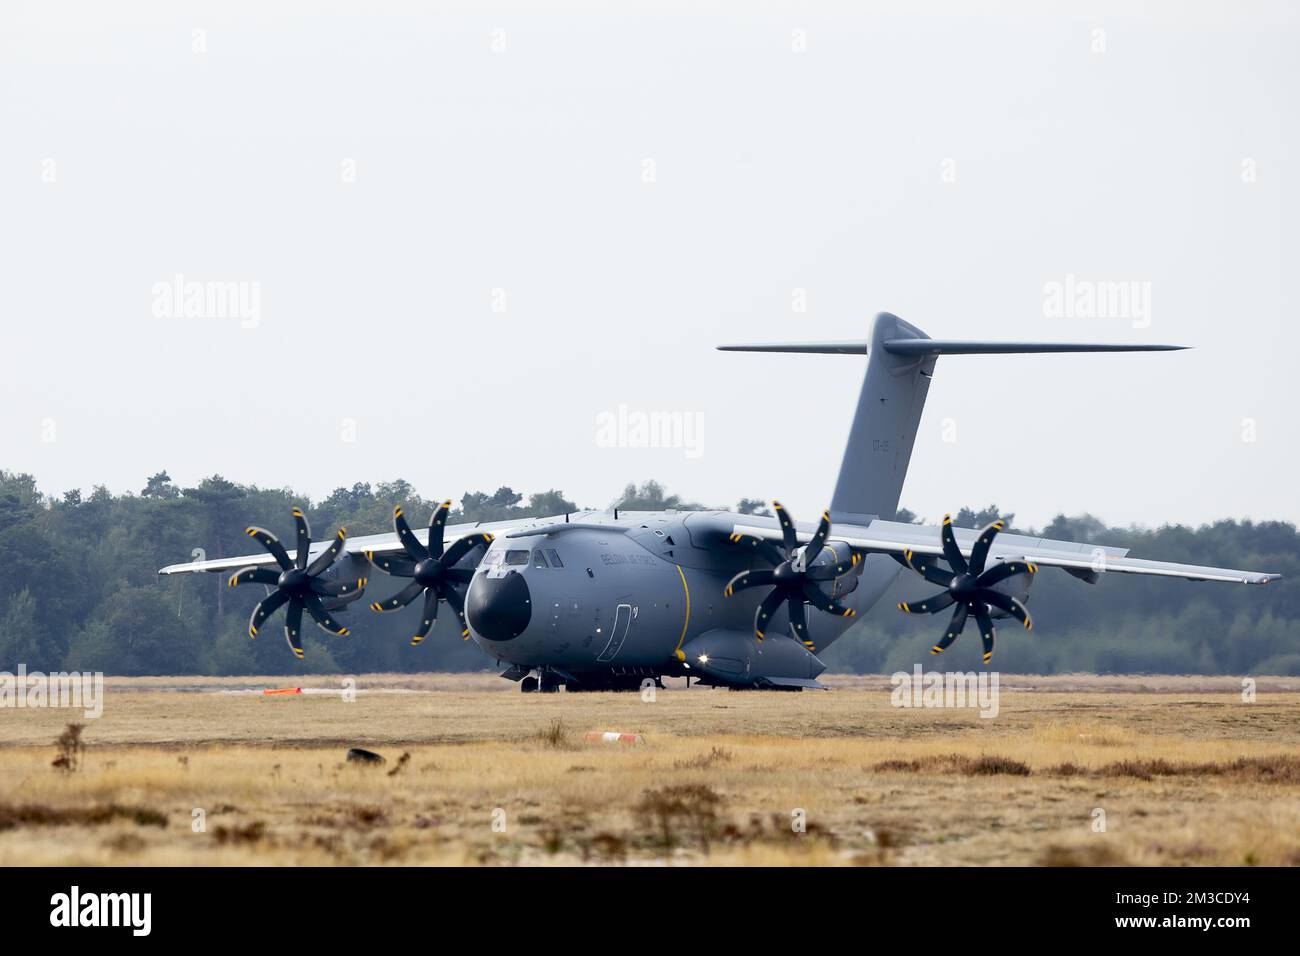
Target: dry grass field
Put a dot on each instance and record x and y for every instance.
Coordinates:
(1185, 772)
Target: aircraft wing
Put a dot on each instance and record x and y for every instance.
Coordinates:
(372, 543)
(1082, 560)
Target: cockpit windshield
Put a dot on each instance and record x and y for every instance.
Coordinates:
(537, 557)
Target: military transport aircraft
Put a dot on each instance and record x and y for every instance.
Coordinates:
(605, 600)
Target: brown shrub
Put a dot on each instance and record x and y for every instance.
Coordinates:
(71, 749)
(1067, 769)
(402, 761)
(1099, 854)
(33, 814)
(124, 843)
(1281, 768)
(240, 835)
(685, 814)
(956, 763)
(988, 766)
(715, 756)
(556, 735)
(366, 816)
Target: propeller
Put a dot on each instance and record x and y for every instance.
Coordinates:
(432, 571)
(969, 586)
(298, 584)
(792, 577)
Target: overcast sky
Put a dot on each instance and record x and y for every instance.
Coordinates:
(472, 232)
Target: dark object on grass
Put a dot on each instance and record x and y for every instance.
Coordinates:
(402, 761)
(71, 749)
(357, 755)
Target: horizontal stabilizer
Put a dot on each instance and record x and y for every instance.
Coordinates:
(832, 348)
(947, 347)
(908, 347)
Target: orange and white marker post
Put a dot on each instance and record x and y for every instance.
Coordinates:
(612, 737)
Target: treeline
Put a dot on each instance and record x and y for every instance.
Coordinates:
(80, 590)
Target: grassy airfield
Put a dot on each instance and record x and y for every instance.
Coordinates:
(1184, 771)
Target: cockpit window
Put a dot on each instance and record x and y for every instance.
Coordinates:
(516, 557)
(539, 559)
(555, 558)
(492, 559)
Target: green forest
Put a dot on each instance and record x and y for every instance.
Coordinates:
(80, 589)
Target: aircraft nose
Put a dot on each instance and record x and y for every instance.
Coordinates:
(499, 608)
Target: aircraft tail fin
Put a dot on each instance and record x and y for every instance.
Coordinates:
(900, 363)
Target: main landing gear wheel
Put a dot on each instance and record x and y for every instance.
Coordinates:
(550, 684)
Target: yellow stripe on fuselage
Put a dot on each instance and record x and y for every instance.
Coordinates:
(686, 623)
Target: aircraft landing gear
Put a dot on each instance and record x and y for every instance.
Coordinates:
(544, 683)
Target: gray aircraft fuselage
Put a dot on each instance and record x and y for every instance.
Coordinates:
(605, 601)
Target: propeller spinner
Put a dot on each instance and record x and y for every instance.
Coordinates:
(970, 587)
(298, 584)
(792, 577)
(432, 571)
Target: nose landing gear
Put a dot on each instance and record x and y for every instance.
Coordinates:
(545, 683)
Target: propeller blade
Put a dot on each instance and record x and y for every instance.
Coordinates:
(272, 544)
(1009, 604)
(987, 631)
(453, 598)
(820, 601)
(927, 570)
(1006, 569)
(950, 550)
(955, 627)
(396, 566)
(788, 537)
(254, 576)
(265, 608)
(766, 548)
(766, 610)
(429, 617)
(461, 547)
(818, 541)
(400, 599)
(293, 628)
(436, 524)
(931, 605)
(798, 620)
(304, 539)
(326, 557)
(980, 553)
(410, 542)
(749, 579)
(459, 575)
(322, 617)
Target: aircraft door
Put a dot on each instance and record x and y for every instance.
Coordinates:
(623, 617)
